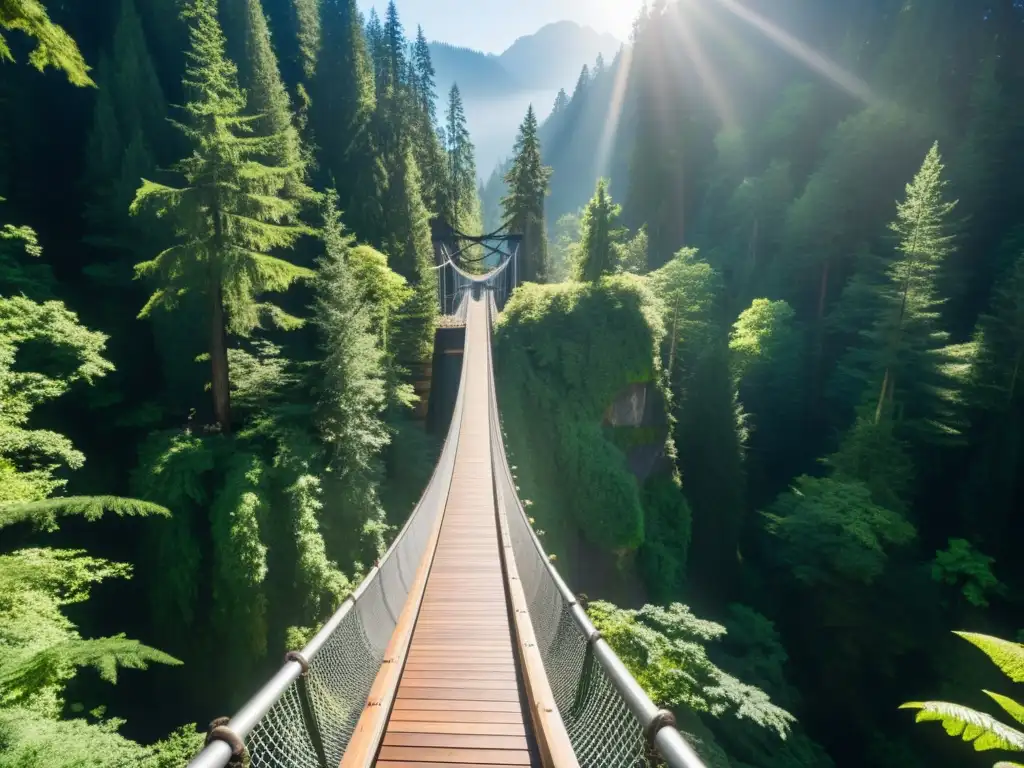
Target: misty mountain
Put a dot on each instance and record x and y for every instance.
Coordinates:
(497, 90)
(553, 56)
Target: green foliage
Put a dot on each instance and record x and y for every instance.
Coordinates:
(760, 335)
(978, 728)
(1000, 344)
(562, 354)
(665, 650)
(459, 203)
(22, 678)
(633, 253)
(870, 453)
(667, 532)
(17, 277)
(706, 430)
(523, 207)
(43, 514)
(231, 215)
(411, 252)
(600, 238)
(53, 46)
(353, 375)
(962, 566)
(830, 530)
(909, 369)
(344, 101)
(266, 97)
(174, 470)
(239, 558)
(562, 250)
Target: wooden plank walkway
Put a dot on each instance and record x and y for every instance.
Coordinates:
(460, 701)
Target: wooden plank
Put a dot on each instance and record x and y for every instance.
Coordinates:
(436, 716)
(458, 700)
(430, 726)
(457, 694)
(457, 704)
(454, 740)
(457, 756)
(555, 748)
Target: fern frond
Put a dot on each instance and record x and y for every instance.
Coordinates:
(1013, 708)
(984, 731)
(44, 513)
(24, 675)
(1006, 655)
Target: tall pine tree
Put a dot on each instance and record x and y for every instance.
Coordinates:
(429, 152)
(229, 216)
(912, 374)
(600, 238)
(459, 204)
(342, 112)
(266, 96)
(523, 207)
(129, 120)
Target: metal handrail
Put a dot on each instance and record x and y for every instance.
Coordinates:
(218, 753)
(667, 740)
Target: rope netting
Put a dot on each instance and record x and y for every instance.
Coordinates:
(601, 728)
(306, 715)
(306, 720)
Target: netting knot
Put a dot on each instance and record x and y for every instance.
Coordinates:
(298, 657)
(661, 719)
(219, 731)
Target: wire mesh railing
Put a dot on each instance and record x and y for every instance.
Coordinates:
(610, 721)
(305, 716)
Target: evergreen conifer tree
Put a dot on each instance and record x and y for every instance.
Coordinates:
(411, 253)
(53, 46)
(266, 96)
(344, 102)
(352, 378)
(394, 49)
(429, 151)
(230, 214)
(600, 238)
(426, 76)
(914, 375)
(460, 205)
(307, 23)
(128, 122)
(561, 102)
(377, 49)
(523, 207)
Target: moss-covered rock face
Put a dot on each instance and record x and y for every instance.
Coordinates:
(563, 355)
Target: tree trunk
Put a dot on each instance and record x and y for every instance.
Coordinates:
(221, 386)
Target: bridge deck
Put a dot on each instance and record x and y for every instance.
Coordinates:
(460, 700)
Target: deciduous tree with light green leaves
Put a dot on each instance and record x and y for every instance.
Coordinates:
(230, 217)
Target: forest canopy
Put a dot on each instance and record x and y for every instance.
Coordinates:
(789, 230)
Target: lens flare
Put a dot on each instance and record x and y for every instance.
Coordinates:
(802, 52)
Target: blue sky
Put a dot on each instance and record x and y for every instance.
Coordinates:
(493, 25)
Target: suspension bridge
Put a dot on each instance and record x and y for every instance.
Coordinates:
(462, 646)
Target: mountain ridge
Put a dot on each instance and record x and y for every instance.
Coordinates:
(497, 88)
